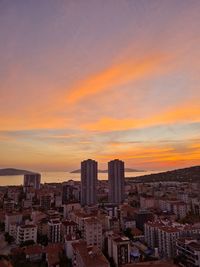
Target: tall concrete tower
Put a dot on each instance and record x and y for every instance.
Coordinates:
(116, 181)
(89, 182)
(32, 180)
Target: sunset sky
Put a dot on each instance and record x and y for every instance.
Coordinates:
(99, 79)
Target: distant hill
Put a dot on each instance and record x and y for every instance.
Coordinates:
(105, 171)
(190, 174)
(11, 171)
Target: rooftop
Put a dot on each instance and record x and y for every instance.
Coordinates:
(91, 256)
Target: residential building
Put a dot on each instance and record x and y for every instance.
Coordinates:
(32, 180)
(119, 249)
(116, 181)
(89, 182)
(93, 232)
(8, 205)
(54, 231)
(69, 227)
(188, 250)
(70, 207)
(12, 218)
(84, 256)
(147, 202)
(141, 217)
(45, 202)
(26, 233)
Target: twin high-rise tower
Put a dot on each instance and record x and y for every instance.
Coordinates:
(89, 171)
(89, 182)
(116, 181)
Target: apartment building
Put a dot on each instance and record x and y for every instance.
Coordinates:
(188, 250)
(12, 218)
(69, 227)
(54, 231)
(93, 232)
(26, 233)
(119, 249)
(87, 256)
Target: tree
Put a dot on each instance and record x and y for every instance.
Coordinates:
(27, 243)
(128, 233)
(43, 240)
(2, 226)
(8, 238)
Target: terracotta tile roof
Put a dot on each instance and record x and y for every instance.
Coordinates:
(69, 223)
(32, 250)
(5, 263)
(136, 231)
(91, 256)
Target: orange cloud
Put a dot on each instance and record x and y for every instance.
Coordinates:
(151, 156)
(32, 121)
(184, 113)
(115, 75)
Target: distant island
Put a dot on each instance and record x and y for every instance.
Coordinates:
(105, 171)
(11, 171)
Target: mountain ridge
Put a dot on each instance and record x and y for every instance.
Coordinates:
(13, 171)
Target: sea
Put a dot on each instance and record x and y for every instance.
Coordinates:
(60, 176)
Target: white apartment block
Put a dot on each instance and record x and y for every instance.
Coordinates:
(93, 232)
(147, 202)
(26, 233)
(70, 207)
(189, 249)
(69, 227)
(54, 231)
(167, 237)
(180, 209)
(10, 219)
(163, 234)
(151, 233)
(119, 249)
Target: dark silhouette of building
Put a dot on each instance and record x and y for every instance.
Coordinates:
(116, 181)
(88, 182)
(32, 180)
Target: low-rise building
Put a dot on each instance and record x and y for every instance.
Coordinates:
(26, 233)
(188, 250)
(93, 232)
(84, 256)
(12, 218)
(69, 227)
(119, 249)
(54, 231)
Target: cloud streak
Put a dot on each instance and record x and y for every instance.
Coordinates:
(116, 75)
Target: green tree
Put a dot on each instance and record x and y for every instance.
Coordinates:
(27, 243)
(8, 238)
(128, 233)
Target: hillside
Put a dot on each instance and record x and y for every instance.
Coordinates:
(190, 174)
(11, 171)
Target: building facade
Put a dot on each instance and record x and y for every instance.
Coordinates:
(89, 182)
(93, 232)
(32, 180)
(54, 231)
(116, 181)
(26, 233)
